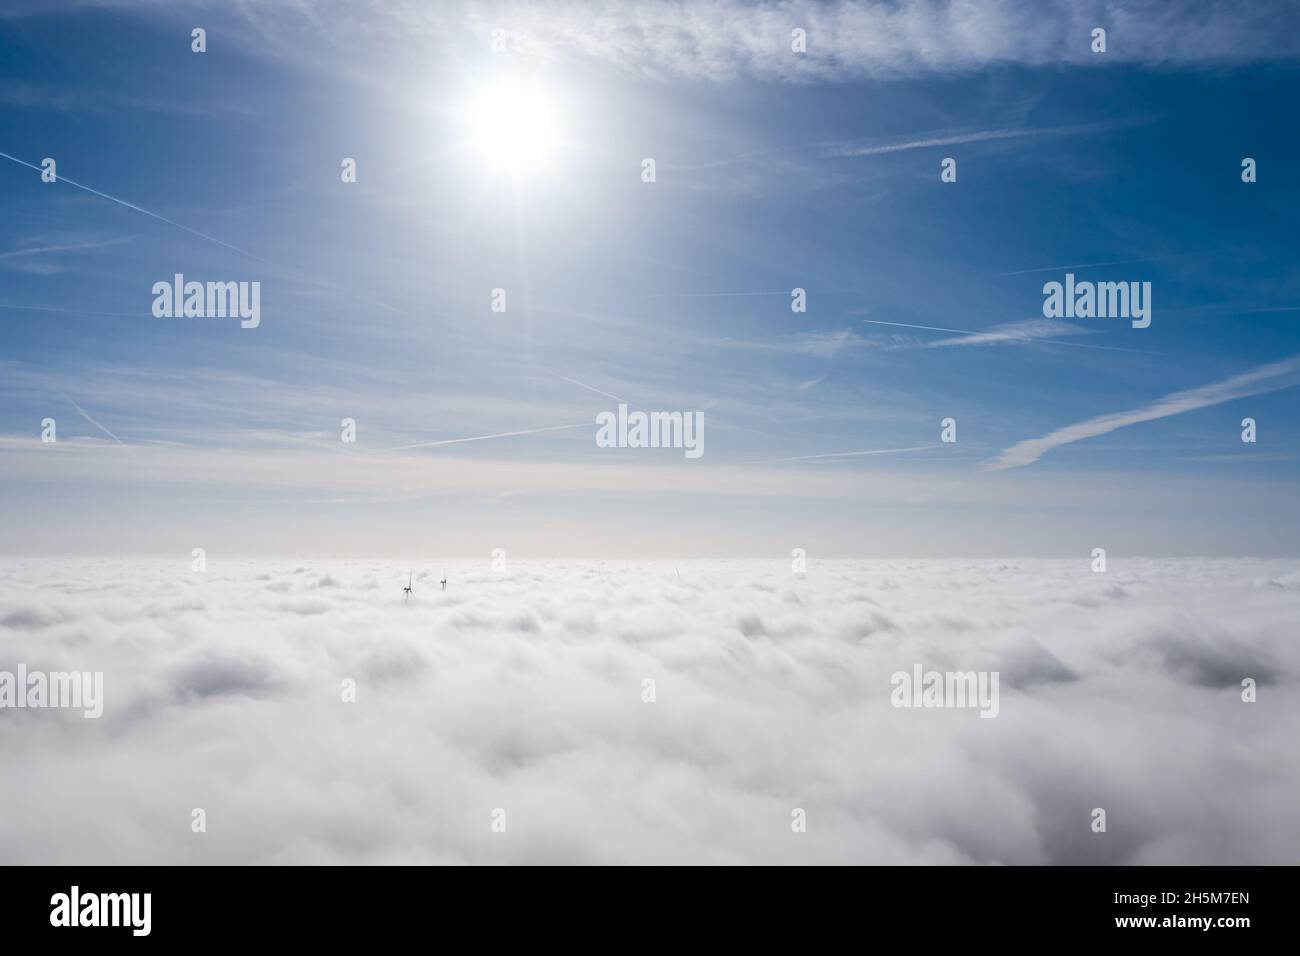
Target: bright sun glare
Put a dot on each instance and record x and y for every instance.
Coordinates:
(514, 126)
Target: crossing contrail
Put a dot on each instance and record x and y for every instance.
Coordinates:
(928, 328)
(130, 205)
(203, 235)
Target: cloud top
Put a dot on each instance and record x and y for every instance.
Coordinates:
(523, 691)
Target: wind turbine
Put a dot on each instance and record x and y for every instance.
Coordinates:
(409, 581)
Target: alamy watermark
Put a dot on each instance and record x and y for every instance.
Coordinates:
(75, 908)
(38, 689)
(651, 430)
(211, 300)
(1101, 300)
(946, 689)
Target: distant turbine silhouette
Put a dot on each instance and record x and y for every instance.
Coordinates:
(409, 581)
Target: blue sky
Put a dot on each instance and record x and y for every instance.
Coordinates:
(774, 171)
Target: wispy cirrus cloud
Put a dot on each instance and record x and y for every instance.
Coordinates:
(850, 39)
(845, 39)
(1266, 378)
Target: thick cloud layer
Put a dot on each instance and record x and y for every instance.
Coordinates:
(523, 691)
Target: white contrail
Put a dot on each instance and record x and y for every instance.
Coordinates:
(457, 441)
(1007, 337)
(938, 139)
(69, 247)
(1096, 265)
(979, 136)
(1265, 378)
(934, 141)
(591, 388)
(710, 295)
(87, 416)
(837, 454)
(928, 328)
(47, 308)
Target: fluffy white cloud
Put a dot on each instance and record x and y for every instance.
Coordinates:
(523, 691)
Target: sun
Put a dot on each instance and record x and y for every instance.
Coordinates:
(513, 125)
